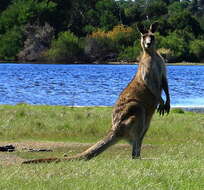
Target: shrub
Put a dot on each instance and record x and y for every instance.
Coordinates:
(67, 47)
(11, 43)
(197, 49)
(99, 48)
(123, 36)
(38, 40)
(98, 34)
(178, 110)
(107, 45)
(88, 29)
(176, 46)
(166, 53)
(131, 53)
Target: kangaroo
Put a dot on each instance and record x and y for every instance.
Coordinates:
(136, 104)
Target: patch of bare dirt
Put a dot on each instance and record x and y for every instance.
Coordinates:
(48, 145)
(7, 158)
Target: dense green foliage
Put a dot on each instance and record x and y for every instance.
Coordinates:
(66, 47)
(181, 28)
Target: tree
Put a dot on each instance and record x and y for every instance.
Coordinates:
(176, 44)
(4, 4)
(156, 8)
(108, 14)
(11, 43)
(132, 14)
(177, 7)
(185, 21)
(194, 6)
(197, 49)
(21, 12)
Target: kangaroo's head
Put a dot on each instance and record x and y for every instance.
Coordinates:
(147, 36)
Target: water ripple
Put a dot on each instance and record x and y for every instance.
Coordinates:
(93, 85)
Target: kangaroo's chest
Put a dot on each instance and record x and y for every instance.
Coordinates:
(154, 73)
(151, 74)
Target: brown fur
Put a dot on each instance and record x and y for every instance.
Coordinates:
(136, 105)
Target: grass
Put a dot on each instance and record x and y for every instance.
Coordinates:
(53, 123)
(173, 153)
(88, 124)
(100, 173)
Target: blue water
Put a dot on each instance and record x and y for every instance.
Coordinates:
(89, 85)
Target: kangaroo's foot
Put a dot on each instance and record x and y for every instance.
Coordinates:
(136, 157)
(136, 150)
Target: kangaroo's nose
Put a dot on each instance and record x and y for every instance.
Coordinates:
(147, 42)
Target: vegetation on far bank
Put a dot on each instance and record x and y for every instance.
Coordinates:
(172, 155)
(186, 63)
(98, 31)
(107, 63)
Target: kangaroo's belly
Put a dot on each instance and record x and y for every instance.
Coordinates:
(138, 93)
(132, 101)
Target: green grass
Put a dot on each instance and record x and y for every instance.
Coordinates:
(173, 153)
(88, 124)
(23, 122)
(101, 173)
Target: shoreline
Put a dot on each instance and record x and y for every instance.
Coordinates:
(196, 109)
(104, 63)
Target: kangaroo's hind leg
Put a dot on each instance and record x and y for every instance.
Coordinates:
(137, 141)
(136, 126)
(146, 124)
(136, 149)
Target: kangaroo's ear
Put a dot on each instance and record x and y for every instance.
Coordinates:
(141, 28)
(154, 27)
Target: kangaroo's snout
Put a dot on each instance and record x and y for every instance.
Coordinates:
(147, 42)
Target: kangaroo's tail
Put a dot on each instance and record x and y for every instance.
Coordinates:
(88, 154)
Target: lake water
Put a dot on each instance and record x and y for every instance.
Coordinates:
(89, 85)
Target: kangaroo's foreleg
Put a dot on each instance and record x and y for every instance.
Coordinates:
(165, 107)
